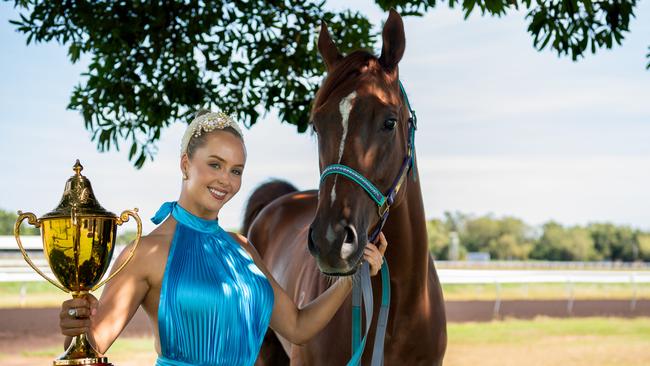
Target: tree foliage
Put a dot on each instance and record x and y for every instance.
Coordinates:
(151, 64)
(154, 63)
(565, 244)
(510, 238)
(439, 238)
(505, 238)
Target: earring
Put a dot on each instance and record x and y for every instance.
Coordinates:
(184, 176)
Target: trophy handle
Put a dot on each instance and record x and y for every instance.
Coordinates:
(32, 220)
(124, 217)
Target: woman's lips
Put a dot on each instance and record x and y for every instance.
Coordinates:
(217, 193)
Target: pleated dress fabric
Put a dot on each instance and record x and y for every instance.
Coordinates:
(215, 303)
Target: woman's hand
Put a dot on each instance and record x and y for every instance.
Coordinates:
(375, 255)
(76, 315)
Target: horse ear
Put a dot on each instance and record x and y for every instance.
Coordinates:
(327, 48)
(392, 49)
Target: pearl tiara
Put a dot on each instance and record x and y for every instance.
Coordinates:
(206, 123)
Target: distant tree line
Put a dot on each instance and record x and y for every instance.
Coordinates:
(8, 220)
(504, 238)
(509, 238)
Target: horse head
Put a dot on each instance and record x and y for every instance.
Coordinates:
(361, 121)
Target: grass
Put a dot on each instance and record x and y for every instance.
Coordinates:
(121, 347)
(124, 352)
(521, 331)
(543, 265)
(546, 291)
(32, 295)
(538, 342)
(43, 294)
(546, 341)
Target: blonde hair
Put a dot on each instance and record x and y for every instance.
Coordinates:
(206, 121)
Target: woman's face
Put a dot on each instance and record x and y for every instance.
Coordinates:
(214, 172)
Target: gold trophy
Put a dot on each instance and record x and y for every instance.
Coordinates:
(78, 242)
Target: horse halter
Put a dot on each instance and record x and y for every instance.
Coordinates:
(362, 292)
(383, 201)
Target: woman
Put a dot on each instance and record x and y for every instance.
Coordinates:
(207, 293)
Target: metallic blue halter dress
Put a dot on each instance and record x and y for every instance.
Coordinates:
(215, 303)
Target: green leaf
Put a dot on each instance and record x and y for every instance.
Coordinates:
(469, 6)
(260, 56)
(134, 148)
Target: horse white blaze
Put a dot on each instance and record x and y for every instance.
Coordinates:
(345, 106)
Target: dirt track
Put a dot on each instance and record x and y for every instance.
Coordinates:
(22, 329)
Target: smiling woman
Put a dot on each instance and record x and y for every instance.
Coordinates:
(208, 295)
(213, 156)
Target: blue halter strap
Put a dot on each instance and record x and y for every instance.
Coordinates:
(363, 293)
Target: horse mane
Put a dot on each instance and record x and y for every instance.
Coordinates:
(346, 71)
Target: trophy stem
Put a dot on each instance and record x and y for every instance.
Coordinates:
(80, 351)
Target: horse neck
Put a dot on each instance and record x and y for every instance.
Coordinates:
(405, 230)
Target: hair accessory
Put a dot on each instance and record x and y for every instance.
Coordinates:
(206, 123)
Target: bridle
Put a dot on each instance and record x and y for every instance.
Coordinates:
(383, 201)
(383, 208)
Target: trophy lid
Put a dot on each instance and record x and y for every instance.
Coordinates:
(78, 194)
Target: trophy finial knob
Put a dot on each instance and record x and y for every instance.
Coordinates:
(78, 167)
(78, 196)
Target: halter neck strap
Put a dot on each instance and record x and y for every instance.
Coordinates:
(185, 217)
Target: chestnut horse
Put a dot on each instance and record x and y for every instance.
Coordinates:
(361, 119)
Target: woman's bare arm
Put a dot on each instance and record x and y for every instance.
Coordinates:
(104, 319)
(300, 325)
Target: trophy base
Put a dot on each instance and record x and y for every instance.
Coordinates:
(95, 361)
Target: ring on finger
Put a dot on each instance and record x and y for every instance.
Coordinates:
(72, 312)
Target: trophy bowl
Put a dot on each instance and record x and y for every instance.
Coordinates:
(78, 241)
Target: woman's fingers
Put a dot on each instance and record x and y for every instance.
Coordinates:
(374, 259)
(81, 306)
(73, 327)
(75, 315)
(75, 323)
(74, 331)
(383, 244)
(374, 255)
(82, 313)
(94, 303)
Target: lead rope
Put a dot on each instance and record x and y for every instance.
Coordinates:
(363, 294)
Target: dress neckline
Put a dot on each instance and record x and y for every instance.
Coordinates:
(185, 217)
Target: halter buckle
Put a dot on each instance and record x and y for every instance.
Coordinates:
(383, 209)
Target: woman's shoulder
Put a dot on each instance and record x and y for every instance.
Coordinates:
(156, 242)
(243, 241)
(239, 239)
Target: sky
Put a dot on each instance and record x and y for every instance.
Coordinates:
(503, 129)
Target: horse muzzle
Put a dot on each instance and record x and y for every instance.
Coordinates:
(336, 248)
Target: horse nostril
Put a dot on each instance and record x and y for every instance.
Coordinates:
(350, 235)
(350, 243)
(313, 249)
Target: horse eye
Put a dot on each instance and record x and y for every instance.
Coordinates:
(390, 123)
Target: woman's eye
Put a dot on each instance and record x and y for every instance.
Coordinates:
(215, 165)
(390, 123)
(237, 172)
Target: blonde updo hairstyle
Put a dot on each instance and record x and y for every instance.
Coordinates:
(198, 130)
